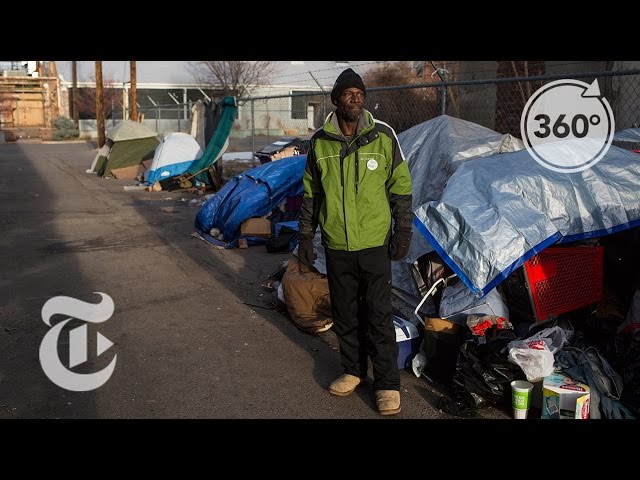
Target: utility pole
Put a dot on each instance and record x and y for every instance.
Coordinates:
(74, 74)
(133, 99)
(99, 106)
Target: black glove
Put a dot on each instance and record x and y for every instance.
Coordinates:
(399, 244)
(305, 251)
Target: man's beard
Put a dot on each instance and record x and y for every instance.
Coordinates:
(350, 114)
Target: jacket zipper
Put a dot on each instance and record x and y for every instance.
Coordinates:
(343, 151)
(357, 171)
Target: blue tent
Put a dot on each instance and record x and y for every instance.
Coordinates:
(253, 193)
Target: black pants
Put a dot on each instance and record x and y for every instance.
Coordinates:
(360, 289)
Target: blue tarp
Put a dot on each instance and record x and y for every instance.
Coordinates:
(253, 193)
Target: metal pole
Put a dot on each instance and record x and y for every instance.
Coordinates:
(266, 102)
(324, 107)
(133, 73)
(185, 101)
(442, 88)
(99, 105)
(74, 73)
(204, 94)
(124, 103)
(324, 101)
(253, 127)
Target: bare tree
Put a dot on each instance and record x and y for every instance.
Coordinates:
(85, 101)
(511, 97)
(233, 78)
(405, 108)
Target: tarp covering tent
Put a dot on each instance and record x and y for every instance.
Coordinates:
(224, 114)
(628, 139)
(254, 193)
(175, 155)
(497, 212)
(129, 143)
(434, 150)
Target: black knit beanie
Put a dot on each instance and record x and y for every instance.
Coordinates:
(347, 79)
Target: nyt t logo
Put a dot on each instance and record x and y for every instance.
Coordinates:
(78, 342)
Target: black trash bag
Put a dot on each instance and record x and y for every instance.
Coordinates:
(483, 369)
(283, 243)
(631, 380)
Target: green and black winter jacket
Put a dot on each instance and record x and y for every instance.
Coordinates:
(353, 189)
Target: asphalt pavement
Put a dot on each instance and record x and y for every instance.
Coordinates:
(192, 334)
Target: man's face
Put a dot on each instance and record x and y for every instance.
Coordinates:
(350, 104)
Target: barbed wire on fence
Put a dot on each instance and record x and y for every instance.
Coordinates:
(496, 104)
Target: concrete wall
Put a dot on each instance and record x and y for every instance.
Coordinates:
(477, 103)
(571, 66)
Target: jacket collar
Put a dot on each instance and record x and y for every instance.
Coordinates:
(365, 124)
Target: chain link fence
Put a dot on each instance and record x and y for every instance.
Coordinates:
(496, 104)
(168, 118)
(161, 118)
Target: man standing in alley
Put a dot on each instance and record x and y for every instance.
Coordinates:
(357, 188)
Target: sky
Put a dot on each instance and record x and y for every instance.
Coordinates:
(295, 73)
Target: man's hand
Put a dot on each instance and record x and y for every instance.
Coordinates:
(399, 244)
(306, 256)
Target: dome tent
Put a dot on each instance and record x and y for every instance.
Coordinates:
(128, 143)
(175, 155)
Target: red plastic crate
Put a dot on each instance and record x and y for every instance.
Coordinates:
(562, 279)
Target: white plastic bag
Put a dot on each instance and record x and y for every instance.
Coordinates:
(554, 337)
(533, 357)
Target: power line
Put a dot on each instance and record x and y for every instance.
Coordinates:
(317, 73)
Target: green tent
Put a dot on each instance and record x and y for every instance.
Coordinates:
(129, 143)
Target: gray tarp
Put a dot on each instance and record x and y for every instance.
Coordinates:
(498, 211)
(628, 139)
(628, 135)
(434, 150)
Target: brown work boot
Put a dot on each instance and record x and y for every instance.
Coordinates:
(388, 402)
(344, 385)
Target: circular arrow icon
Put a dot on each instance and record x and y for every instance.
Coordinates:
(567, 125)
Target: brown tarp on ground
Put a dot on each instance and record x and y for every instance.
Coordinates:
(307, 298)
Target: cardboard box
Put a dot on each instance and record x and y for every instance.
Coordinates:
(563, 397)
(128, 173)
(408, 338)
(441, 325)
(256, 227)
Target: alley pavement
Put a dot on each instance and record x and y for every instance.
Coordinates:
(192, 330)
